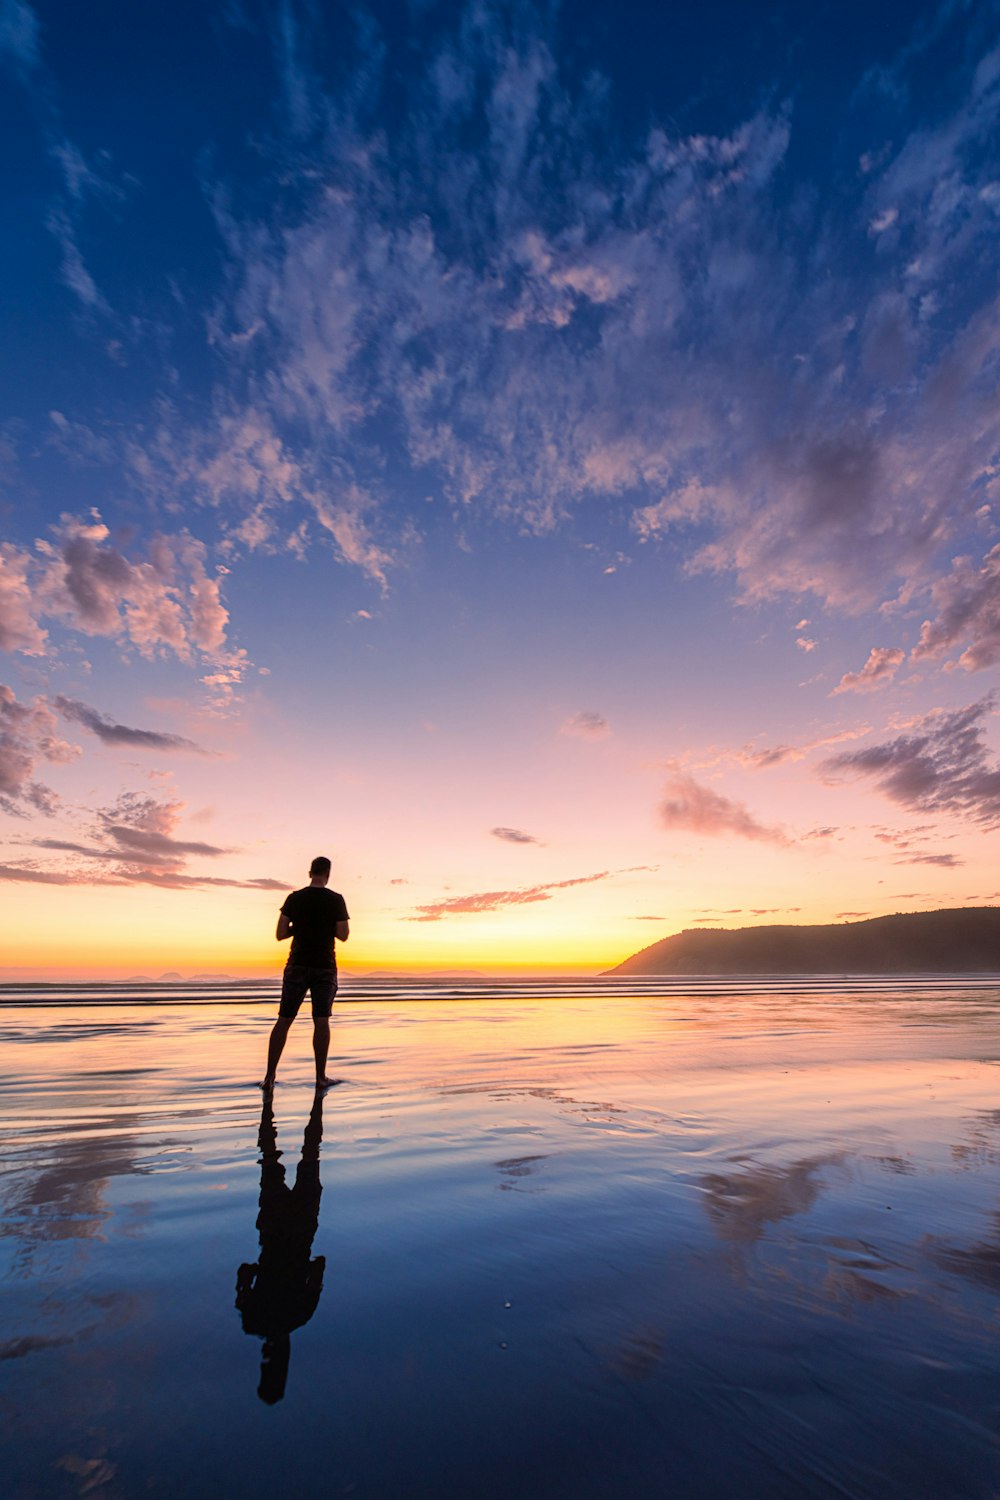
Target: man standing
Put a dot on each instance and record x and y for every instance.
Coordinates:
(313, 918)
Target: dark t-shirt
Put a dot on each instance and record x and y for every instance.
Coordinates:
(314, 913)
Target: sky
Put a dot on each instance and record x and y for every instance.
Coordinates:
(544, 457)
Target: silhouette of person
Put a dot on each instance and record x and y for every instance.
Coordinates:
(280, 1291)
(316, 920)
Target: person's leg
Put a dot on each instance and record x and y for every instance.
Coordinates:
(294, 983)
(324, 987)
(321, 1047)
(275, 1047)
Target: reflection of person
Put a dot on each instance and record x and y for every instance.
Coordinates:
(314, 918)
(281, 1290)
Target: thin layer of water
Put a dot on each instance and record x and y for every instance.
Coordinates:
(697, 1244)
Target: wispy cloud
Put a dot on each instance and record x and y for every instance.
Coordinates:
(133, 842)
(880, 668)
(765, 757)
(586, 725)
(968, 605)
(140, 830)
(110, 733)
(484, 901)
(19, 627)
(745, 368)
(525, 317)
(165, 880)
(942, 765)
(19, 36)
(135, 838)
(514, 836)
(690, 807)
(945, 861)
(28, 734)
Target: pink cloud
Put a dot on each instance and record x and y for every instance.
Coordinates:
(433, 911)
(28, 735)
(482, 901)
(19, 627)
(941, 765)
(968, 605)
(882, 664)
(163, 602)
(689, 807)
(110, 733)
(586, 725)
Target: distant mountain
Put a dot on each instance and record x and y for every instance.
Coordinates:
(960, 940)
(427, 974)
(211, 979)
(170, 975)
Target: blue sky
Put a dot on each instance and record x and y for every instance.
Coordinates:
(562, 419)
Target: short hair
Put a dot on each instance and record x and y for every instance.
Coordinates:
(320, 865)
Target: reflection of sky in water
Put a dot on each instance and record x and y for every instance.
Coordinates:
(675, 1246)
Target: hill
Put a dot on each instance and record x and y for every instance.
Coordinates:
(960, 940)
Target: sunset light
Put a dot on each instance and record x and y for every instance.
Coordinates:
(578, 531)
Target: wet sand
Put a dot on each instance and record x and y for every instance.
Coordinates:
(691, 1246)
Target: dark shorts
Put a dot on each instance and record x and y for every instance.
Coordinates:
(297, 980)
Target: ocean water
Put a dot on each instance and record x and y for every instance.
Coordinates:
(555, 1239)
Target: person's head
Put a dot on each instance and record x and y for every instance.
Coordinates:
(320, 868)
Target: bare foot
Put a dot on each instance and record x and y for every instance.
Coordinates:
(326, 1083)
(267, 1085)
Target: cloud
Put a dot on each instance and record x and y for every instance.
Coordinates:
(940, 766)
(505, 303)
(160, 603)
(164, 601)
(133, 842)
(19, 628)
(586, 725)
(19, 36)
(968, 605)
(880, 668)
(111, 733)
(483, 901)
(763, 758)
(28, 735)
(689, 807)
(347, 521)
(134, 838)
(139, 830)
(514, 836)
(173, 881)
(946, 861)
(26, 874)
(165, 880)
(75, 275)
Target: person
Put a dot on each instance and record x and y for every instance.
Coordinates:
(315, 919)
(280, 1290)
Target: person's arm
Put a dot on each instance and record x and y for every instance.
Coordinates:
(284, 928)
(342, 931)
